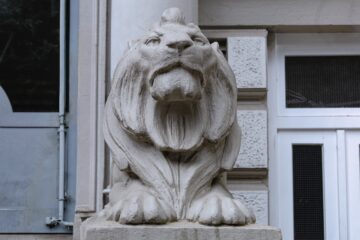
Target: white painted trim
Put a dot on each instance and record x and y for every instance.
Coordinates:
(342, 195)
(353, 183)
(285, 180)
(272, 132)
(312, 45)
(332, 122)
(91, 87)
(226, 33)
(101, 104)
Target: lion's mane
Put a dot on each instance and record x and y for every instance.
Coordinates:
(141, 131)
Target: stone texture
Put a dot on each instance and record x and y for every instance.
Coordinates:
(98, 229)
(257, 201)
(247, 58)
(253, 148)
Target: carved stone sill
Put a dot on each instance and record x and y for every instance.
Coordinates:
(99, 229)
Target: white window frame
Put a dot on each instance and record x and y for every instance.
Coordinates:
(353, 183)
(313, 45)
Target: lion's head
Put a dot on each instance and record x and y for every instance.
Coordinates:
(173, 88)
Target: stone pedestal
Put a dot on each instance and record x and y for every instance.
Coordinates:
(99, 229)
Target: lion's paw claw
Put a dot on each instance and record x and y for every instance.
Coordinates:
(217, 210)
(140, 208)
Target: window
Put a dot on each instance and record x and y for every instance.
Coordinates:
(29, 54)
(322, 81)
(318, 74)
(308, 192)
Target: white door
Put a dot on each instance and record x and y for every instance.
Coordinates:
(319, 184)
(308, 180)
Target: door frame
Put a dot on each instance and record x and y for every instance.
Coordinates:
(339, 120)
(352, 140)
(284, 171)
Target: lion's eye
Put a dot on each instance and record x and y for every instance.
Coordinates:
(199, 40)
(152, 41)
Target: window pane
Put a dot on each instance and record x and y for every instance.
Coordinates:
(322, 81)
(29, 54)
(308, 192)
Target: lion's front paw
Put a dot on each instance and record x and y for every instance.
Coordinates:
(138, 208)
(217, 209)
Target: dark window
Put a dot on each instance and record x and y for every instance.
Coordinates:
(308, 192)
(322, 81)
(222, 44)
(29, 54)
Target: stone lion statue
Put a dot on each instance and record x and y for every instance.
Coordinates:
(170, 123)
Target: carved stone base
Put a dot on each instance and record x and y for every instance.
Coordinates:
(98, 229)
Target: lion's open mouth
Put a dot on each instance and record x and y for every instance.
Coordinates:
(177, 84)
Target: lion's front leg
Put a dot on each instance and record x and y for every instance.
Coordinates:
(135, 204)
(219, 207)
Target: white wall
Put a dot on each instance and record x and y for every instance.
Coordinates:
(131, 19)
(278, 12)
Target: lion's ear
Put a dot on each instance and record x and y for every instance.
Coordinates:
(221, 99)
(215, 46)
(131, 44)
(127, 98)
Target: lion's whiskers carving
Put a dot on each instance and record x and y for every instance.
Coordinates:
(170, 122)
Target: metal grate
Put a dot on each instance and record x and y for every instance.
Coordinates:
(322, 81)
(308, 192)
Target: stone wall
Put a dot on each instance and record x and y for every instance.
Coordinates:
(246, 52)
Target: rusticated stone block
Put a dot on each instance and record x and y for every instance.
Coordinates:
(257, 201)
(253, 147)
(247, 58)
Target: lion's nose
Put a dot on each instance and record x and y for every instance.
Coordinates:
(180, 45)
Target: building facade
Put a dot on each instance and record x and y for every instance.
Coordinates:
(297, 67)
